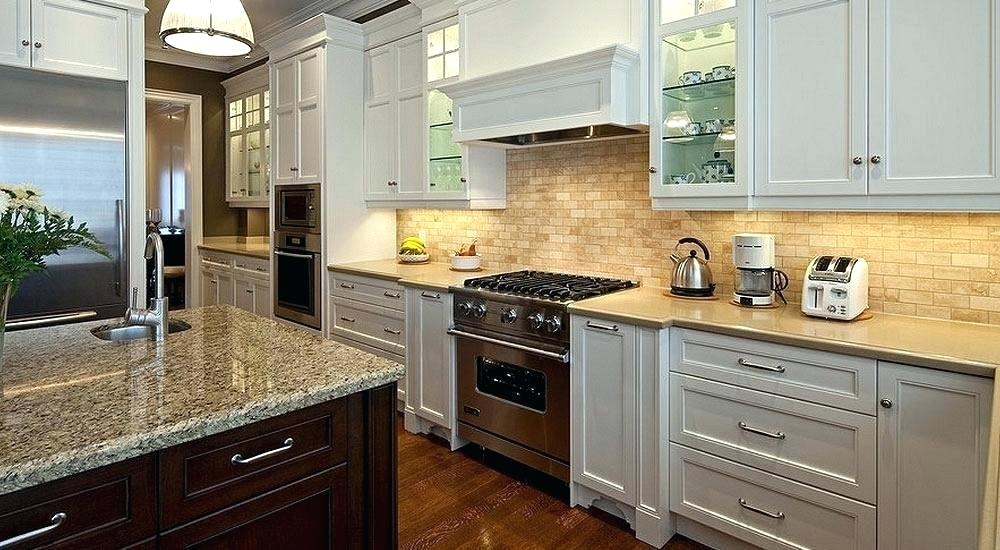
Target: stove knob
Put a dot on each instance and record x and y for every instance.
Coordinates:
(553, 324)
(479, 310)
(508, 315)
(536, 320)
(464, 308)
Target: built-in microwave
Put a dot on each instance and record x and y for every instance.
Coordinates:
(297, 208)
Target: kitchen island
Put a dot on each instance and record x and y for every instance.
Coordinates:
(236, 420)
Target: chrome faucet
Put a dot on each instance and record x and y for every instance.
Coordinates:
(156, 315)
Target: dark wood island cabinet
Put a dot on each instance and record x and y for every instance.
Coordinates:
(318, 478)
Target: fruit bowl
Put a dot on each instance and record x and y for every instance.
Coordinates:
(413, 258)
(466, 263)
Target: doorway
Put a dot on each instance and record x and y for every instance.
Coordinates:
(173, 188)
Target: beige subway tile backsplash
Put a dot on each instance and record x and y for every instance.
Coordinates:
(585, 208)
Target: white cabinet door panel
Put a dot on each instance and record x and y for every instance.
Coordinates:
(381, 73)
(934, 97)
(310, 142)
(932, 451)
(409, 130)
(80, 38)
(15, 32)
(409, 65)
(811, 97)
(380, 127)
(209, 289)
(602, 403)
(430, 357)
(244, 294)
(262, 298)
(284, 95)
(227, 289)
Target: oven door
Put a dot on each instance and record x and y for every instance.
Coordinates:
(517, 395)
(296, 287)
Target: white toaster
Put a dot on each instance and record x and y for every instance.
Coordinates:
(835, 287)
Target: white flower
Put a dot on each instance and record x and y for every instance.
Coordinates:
(24, 192)
(4, 203)
(27, 204)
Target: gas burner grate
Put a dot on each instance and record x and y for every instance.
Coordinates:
(559, 287)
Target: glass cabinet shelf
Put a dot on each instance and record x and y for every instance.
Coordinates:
(442, 125)
(448, 157)
(694, 139)
(703, 90)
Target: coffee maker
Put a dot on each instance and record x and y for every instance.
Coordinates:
(757, 280)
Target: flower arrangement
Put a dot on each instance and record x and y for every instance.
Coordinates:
(30, 231)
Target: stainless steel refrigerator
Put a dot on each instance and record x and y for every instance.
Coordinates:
(66, 135)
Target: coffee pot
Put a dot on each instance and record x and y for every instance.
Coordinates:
(692, 276)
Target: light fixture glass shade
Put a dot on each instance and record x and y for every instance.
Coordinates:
(677, 119)
(207, 27)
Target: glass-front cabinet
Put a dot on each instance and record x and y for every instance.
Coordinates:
(249, 148)
(445, 167)
(701, 130)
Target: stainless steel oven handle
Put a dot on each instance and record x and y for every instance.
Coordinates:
(290, 255)
(564, 357)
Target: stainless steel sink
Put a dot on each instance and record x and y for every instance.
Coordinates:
(127, 333)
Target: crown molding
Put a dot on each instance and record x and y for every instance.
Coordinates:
(344, 9)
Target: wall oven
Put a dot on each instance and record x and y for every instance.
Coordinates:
(298, 278)
(297, 208)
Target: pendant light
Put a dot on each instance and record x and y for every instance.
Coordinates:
(207, 27)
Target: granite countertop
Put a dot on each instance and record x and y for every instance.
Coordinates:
(255, 250)
(432, 275)
(968, 348)
(70, 402)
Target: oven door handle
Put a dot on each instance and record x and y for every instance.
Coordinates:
(564, 357)
(290, 255)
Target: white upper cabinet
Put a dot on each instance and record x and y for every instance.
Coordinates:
(394, 120)
(811, 97)
(934, 97)
(248, 134)
(877, 104)
(701, 108)
(15, 33)
(65, 36)
(74, 37)
(298, 119)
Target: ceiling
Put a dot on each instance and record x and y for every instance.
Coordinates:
(268, 18)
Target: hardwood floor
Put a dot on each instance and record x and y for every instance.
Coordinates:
(468, 499)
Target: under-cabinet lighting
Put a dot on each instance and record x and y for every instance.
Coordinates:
(49, 131)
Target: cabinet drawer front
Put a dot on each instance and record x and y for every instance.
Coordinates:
(110, 507)
(825, 447)
(378, 327)
(216, 261)
(763, 509)
(841, 381)
(215, 472)
(308, 513)
(369, 290)
(253, 267)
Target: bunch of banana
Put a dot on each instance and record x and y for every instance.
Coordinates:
(413, 246)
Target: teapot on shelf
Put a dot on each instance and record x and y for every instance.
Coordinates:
(716, 170)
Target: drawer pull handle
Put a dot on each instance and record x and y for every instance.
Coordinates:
(388, 294)
(390, 331)
(54, 524)
(761, 511)
(348, 320)
(261, 269)
(285, 446)
(744, 363)
(747, 428)
(431, 296)
(599, 326)
(348, 286)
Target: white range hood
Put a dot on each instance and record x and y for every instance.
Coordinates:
(592, 95)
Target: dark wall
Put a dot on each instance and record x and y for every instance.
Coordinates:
(219, 219)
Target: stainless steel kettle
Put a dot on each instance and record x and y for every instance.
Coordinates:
(692, 277)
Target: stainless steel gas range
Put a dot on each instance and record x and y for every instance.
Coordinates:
(512, 333)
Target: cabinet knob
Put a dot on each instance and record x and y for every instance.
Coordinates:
(652, 169)
(38, 44)
(293, 169)
(858, 161)
(25, 43)
(876, 159)
(886, 403)
(463, 180)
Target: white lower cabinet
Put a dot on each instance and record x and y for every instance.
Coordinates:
(430, 364)
(932, 449)
(786, 447)
(618, 428)
(369, 313)
(236, 280)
